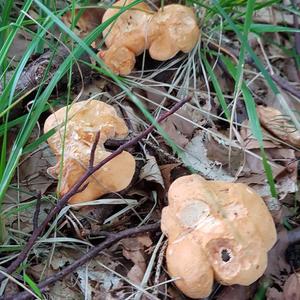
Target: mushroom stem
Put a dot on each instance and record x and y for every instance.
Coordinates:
(62, 202)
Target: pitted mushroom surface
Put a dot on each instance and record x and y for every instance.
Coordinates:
(216, 230)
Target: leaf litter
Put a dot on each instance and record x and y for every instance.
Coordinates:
(207, 151)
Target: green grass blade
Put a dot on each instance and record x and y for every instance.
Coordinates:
(260, 66)
(217, 87)
(5, 48)
(33, 286)
(254, 125)
(263, 28)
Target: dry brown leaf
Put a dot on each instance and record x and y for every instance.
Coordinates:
(32, 176)
(19, 46)
(170, 128)
(291, 288)
(196, 158)
(134, 250)
(11, 288)
(62, 258)
(181, 129)
(62, 290)
(166, 173)
(237, 292)
(95, 279)
(273, 294)
(218, 150)
(277, 265)
(279, 125)
(89, 20)
(151, 172)
(282, 161)
(273, 16)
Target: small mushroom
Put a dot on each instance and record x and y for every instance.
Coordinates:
(126, 37)
(216, 230)
(77, 135)
(172, 29)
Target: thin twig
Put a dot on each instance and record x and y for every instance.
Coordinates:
(35, 220)
(92, 156)
(111, 239)
(62, 202)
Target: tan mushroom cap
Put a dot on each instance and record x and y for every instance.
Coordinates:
(85, 119)
(230, 224)
(126, 37)
(195, 273)
(130, 25)
(120, 60)
(172, 29)
(114, 176)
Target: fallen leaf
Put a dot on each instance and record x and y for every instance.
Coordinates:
(273, 294)
(180, 126)
(169, 127)
(62, 290)
(151, 172)
(273, 16)
(196, 158)
(237, 292)
(32, 177)
(61, 258)
(89, 20)
(134, 250)
(279, 125)
(166, 173)
(291, 288)
(281, 159)
(218, 150)
(95, 279)
(277, 265)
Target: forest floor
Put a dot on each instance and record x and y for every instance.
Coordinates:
(240, 123)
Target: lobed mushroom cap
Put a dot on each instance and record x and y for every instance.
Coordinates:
(114, 176)
(195, 275)
(120, 60)
(130, 25)
(172, 29)
(229, 221)
(84, 120)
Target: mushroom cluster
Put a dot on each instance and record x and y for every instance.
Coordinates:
(72, 144)
(166, 32)
(216, 230)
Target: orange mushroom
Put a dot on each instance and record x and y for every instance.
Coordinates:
(85, 119)
(126, 37)
(216, 230)
(172, 29)
(164, 33)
